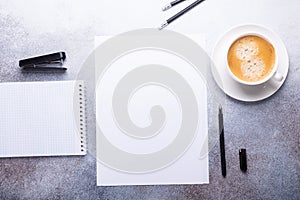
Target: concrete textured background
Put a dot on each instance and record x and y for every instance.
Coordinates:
(268, 129)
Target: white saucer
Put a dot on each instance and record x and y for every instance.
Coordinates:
(235, 89)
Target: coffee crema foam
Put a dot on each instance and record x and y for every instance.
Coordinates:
(251, 58)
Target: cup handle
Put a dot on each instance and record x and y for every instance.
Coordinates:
(278, 77)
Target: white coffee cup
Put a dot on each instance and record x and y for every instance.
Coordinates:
(274, 74)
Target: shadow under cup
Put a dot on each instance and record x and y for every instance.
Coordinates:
(252, 59)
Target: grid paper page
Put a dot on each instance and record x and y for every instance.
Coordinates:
(39, 119)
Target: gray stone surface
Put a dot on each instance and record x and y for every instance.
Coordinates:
(268, 129)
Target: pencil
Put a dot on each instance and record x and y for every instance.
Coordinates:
(187, 9)
(172, 4)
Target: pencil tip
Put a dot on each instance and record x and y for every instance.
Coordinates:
(166, 7)
(163, 26)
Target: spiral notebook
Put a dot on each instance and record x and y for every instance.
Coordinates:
(42, 119)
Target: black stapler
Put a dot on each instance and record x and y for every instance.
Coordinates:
(48, 62)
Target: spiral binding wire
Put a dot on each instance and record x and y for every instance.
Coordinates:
(82, 117)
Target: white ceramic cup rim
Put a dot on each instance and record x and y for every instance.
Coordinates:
(267, 78)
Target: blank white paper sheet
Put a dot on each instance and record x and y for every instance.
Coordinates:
(189, 168)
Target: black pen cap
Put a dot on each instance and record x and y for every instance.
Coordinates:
(243, 159)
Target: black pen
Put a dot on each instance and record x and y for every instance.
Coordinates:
(190, 7)
(222, 142)
(173, 3)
